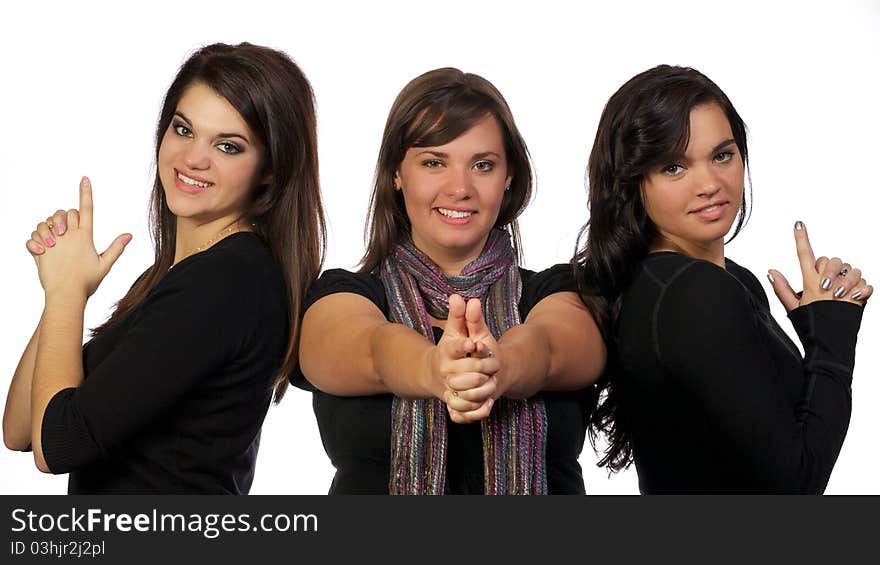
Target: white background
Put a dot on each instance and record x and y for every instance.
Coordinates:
(82, 87)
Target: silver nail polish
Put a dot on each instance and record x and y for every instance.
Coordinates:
(826, 284)
(838, 293)
(770, 278)
(856, 295)
(798, 225)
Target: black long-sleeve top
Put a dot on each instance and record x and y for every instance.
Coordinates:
(176, 391)
(356, 431)
(715, 395)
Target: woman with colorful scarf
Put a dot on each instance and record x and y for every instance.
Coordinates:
(441, 367)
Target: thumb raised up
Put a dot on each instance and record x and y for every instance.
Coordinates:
(789, 298)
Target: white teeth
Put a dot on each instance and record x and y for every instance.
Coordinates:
(710, 208)
(192, 182)
(454, 213)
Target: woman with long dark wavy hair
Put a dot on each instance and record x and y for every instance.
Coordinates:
(170, 393)
(428, 365)
(704, 390)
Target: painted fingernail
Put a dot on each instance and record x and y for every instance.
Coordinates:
(85, 180)
(798, 225)
(50, 242)
(40, 249)
(126, 239)
(839, 292)
(856, 295)
(770, 278)
(59, 230)
(826, 284)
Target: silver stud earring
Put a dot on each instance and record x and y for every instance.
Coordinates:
(506, 188)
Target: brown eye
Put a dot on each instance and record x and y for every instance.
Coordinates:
(672, 170)
(182, 130)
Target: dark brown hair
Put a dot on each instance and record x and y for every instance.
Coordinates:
(276, 100)
(644, 124)
(432, 110)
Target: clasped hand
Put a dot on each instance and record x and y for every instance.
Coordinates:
(467, 359)
(64, 250)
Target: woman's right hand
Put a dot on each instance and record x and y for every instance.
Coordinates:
(467, 377)
(44, 236)
(824, 279)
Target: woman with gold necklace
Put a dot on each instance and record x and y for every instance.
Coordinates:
(170, 393)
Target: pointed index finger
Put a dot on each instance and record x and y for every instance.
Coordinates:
(476, 325)
(85, 203)
(455, 318)
(804, 249)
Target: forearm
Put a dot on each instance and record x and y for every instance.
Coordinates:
(402, 362)
(58, 363)
(527, 367)
(17, 416)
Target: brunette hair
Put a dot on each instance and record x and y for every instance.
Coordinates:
(434, 109)
(644, 124)
(276, 100)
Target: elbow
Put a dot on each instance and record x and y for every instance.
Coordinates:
(41, 465)
(40, 461)
(15, 441)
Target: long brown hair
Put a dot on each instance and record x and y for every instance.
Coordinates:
(432, 110)
(276, 100)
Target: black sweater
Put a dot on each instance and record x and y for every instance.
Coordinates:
(356, 431)
(175, 392)
(715, 395)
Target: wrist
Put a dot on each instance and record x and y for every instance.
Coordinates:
(431, 379)
(65, 296)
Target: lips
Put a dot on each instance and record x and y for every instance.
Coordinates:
(455, 217)
(190, 184)
(711, 211)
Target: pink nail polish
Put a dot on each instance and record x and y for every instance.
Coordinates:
(126, 239)
(40, 249)
(50, 241)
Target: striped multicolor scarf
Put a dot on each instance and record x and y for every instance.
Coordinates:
(514, 435)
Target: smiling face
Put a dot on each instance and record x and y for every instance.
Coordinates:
(453, 193)
(209, 160)
(694, 200)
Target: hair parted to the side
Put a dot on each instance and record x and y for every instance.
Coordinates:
(644, 124)
(275, 99)
(432, 110)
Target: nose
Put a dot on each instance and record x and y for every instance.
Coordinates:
(708, 183)
(461, 185)
(197, 156)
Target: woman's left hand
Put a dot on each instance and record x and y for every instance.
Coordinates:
(71, 262)
(474, 393)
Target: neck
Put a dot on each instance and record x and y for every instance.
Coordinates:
(194, 234)
(450, 261)
(712, 252)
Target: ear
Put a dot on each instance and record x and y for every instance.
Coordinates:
(507, 182)
(398, 184)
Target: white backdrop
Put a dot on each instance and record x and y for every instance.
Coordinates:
(82, 87)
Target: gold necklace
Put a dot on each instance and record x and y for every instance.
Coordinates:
(234, 227)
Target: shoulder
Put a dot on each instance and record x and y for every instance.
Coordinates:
(541, 284)
(235, 269)
(333, 281)
(239, 257)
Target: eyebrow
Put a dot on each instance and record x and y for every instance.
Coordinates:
(181, 115)
(442, 155)
(723, 144)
